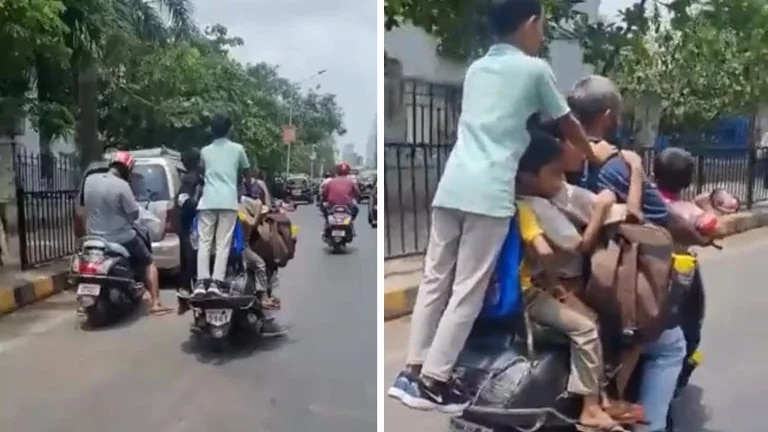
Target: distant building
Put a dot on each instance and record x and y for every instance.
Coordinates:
(350, 156)
(370, 148)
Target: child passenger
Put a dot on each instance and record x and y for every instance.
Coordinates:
(541, 174)
(673, 172)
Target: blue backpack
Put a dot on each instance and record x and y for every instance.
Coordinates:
(505, 297)
(238, 238)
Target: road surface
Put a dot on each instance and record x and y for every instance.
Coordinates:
(144, 375)
(726, 393)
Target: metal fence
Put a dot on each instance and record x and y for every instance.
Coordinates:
(412, 168)
(46, 191)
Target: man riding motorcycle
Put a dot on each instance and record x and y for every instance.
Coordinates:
(341, 190)
(112, 213)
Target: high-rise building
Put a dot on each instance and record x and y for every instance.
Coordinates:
(348, 154)
(370, 148)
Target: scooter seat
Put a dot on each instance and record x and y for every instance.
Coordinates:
(111, 247)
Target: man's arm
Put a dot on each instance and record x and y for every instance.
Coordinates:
(601, 206)
(243, 164)
(128, 201)
(187, 198)
(553, 104)
(636, 180)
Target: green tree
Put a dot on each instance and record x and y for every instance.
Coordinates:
(460, 26)
(704, 60)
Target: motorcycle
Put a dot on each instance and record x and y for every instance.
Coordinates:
(107, 285)
(519, 378)
(339, 228)
(221, 319)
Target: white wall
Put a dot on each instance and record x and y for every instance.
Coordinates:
(417, 51)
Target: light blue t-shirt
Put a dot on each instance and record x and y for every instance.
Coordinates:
(501, 91)
(222, 161)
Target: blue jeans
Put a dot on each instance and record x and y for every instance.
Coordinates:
(663, 363)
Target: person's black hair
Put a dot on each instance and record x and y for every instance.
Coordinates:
(542, 150)
(507, 16)
(191, 159)
(673, 169)
(550, 127)
(220, 125)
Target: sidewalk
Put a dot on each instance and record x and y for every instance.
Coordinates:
(21, 288)
(402, 275)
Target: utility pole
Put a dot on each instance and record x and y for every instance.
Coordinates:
(290, 137)
(312, 157)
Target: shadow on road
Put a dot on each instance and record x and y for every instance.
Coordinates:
(245, 346)
(690, 413)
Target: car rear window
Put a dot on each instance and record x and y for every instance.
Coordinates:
(150, 180)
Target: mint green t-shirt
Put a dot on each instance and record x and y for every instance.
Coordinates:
(222, 161)
(501, 91)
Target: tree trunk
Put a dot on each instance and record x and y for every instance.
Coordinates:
(87, 121)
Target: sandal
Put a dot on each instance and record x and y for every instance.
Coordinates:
(270, 303)
(625, 412)
(159, 310)
(615, 427)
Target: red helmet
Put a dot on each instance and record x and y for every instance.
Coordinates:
(343, 169)
(124, 159)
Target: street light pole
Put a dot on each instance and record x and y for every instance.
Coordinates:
(290, 119)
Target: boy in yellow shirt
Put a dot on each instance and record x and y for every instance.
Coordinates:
(541, 173)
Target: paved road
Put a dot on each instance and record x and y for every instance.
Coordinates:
(727, 393)
(145, 376)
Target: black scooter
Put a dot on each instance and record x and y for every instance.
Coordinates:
(108, 287)
(519, 374)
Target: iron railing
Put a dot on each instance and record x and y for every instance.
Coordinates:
(46, 193)
(413, 167)
(412, 171)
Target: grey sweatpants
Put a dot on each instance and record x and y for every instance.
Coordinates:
(264, 280)
(461, 257)
(218, 225)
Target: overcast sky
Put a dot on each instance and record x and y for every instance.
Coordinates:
(610, 7)
(305, 36)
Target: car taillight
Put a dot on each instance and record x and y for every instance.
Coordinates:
(170, 218)
(85, 267)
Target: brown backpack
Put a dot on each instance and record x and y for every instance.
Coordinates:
(272, 240)
(629, 288)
